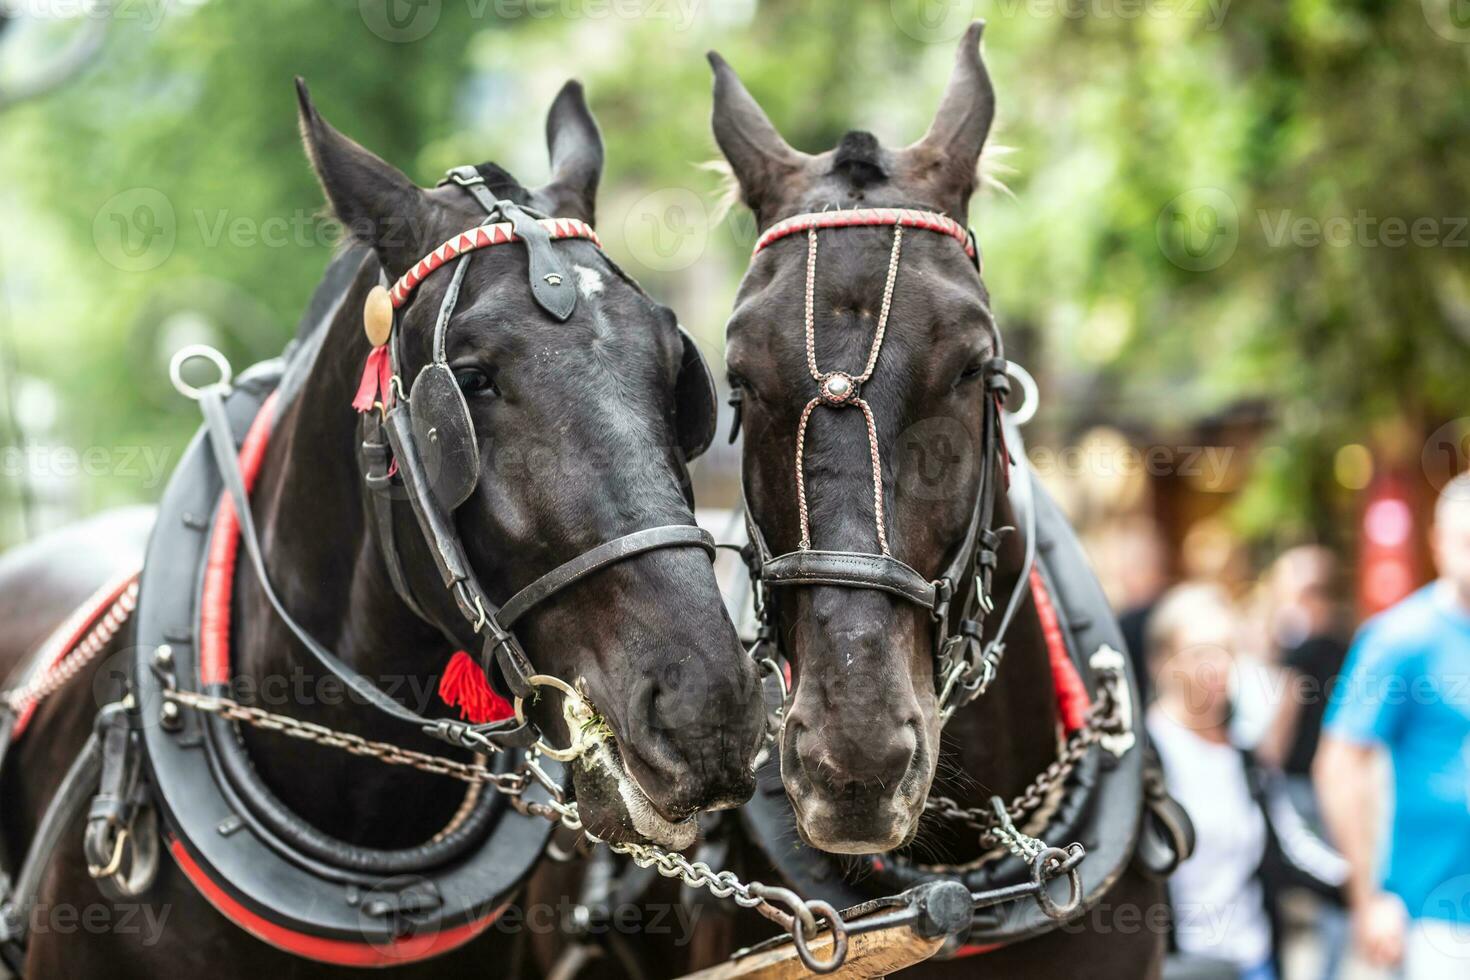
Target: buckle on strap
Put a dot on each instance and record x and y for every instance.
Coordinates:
(943, 593)
(470, 178)
(121, 839)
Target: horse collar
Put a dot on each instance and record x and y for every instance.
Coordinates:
(259, 865)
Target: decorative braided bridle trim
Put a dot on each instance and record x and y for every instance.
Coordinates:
(484, 236)
(860, 217)
(74, 645)
(825, 394)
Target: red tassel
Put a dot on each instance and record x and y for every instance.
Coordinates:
(375, 385)
(464, 686)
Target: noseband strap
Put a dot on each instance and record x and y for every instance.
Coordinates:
(853, 569)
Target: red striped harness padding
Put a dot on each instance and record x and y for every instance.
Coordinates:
(224, 546)
(324, 949)
(500, 233)
(905, 217)
(1073, 701)
(73, 645)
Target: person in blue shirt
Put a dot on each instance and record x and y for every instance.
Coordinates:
(1405, 692)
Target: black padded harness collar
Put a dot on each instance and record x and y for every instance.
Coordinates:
(231, 835)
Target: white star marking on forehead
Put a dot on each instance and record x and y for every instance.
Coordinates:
(589, 281)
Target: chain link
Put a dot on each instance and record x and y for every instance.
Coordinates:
(1103, 718)
(511, 784)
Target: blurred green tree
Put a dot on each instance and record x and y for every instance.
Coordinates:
(1205, 203)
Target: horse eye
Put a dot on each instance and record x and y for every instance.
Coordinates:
(473, 381)
(973, 371)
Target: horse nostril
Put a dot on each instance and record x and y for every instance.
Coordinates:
(878, 763)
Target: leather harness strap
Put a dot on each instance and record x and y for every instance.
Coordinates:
(598, 558)
(76, 790)
(882, 572)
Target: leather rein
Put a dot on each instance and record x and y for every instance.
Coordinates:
(965, 664)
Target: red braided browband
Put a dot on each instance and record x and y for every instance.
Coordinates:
(484, 236)
(907, 217)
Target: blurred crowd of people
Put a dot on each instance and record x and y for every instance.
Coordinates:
(1326, 768)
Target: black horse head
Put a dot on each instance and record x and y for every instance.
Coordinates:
(583, 437)
(859, 745)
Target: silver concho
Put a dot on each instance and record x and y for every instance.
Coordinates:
(838, 388)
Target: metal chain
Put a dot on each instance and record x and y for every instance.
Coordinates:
(1103, 718)
(1022, 845)
(511, 784)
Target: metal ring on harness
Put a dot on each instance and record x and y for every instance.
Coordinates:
(803, 923)
(110, 868)
(1032, 400)
(186, 354)
(577, 711)
(1066, 863)
(138, 844)
(839, 939)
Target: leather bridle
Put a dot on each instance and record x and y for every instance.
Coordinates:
(965, 664)
(435, 411)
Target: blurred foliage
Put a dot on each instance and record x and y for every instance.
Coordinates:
(1137, 258)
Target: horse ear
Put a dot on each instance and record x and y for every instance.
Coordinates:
(951, 148)
(575, 146)
(758, 155)
(375, 201)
